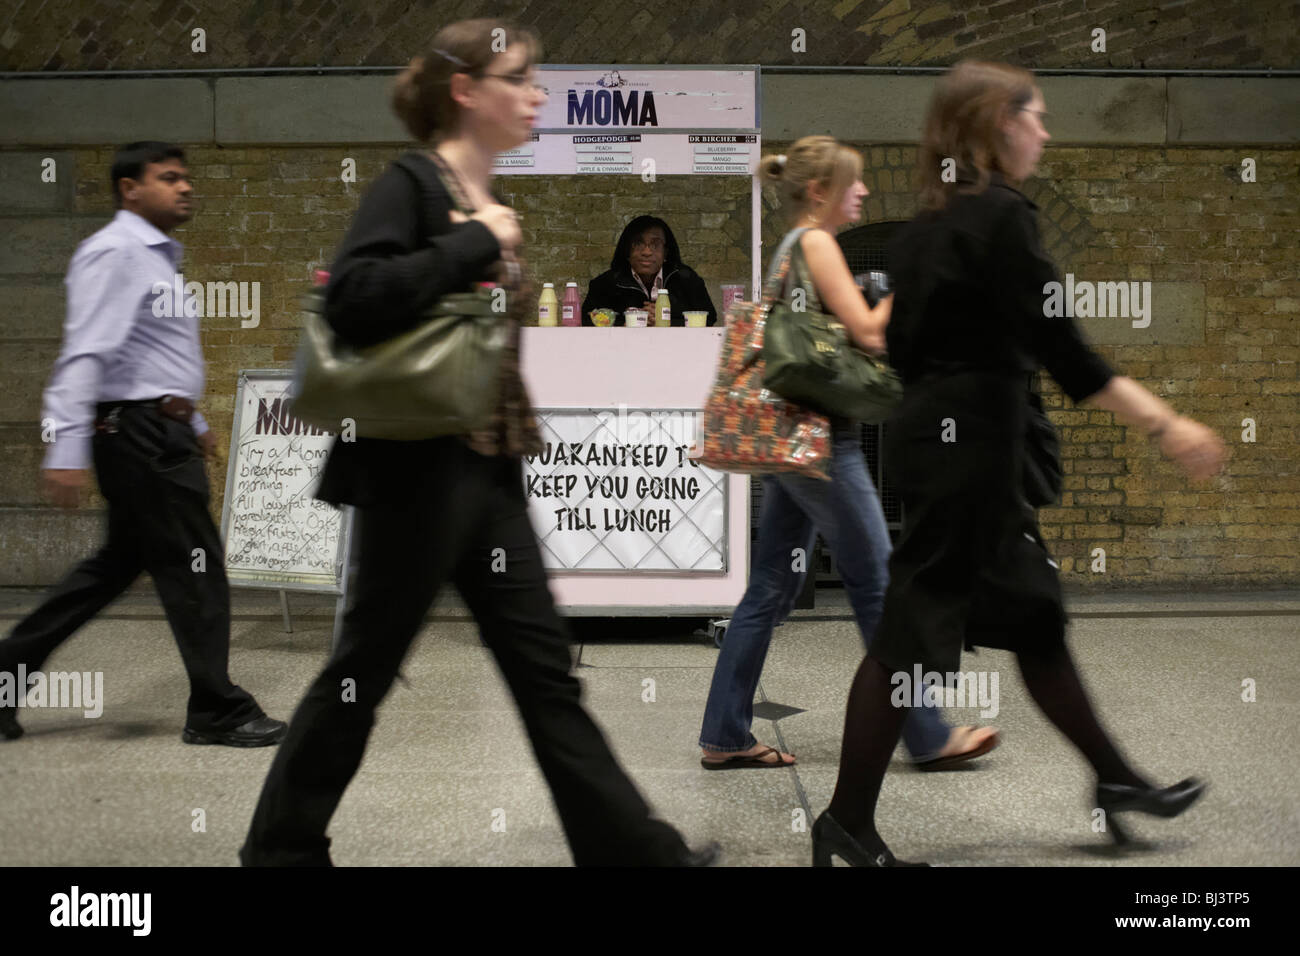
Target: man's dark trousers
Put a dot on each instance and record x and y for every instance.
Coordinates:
(150, 470)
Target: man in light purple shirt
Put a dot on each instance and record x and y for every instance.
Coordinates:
(122, 397)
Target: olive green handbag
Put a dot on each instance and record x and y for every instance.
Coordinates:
(812, 360)
(440, 378)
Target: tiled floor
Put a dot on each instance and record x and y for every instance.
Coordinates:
(448, 756)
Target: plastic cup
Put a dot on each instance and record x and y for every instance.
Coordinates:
(696, 320)
(635, 318)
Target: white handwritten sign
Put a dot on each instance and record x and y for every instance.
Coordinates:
(276, 533)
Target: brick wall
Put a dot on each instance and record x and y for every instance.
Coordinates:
(1042, 34)
(1184, 216)
(1175, 215)
(274, 215)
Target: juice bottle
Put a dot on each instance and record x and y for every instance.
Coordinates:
(663, 309)
(547, 307)
(572, 304)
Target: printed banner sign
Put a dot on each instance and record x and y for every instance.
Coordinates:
(614, 490)
(608, 121)
(602, 100)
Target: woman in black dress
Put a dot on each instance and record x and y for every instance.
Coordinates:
(446, 509)
(967, 330)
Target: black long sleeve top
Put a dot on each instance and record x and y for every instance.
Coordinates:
(969, 291)
(386, 275)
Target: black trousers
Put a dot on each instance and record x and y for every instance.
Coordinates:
(150, 470)
(465, 521)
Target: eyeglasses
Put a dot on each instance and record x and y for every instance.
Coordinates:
(517, 80)
(654, 245)
(1041, 114)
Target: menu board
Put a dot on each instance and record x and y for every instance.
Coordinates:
(276, 534)
(631, 154)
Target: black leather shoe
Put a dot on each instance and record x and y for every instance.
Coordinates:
(9, 728)
(831, 838)
(706, 855)
(261, 732)
(1116, 798)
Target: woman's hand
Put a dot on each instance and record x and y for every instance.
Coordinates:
(1196, 449)
(502, 222)
(874, 341)
(840, 295)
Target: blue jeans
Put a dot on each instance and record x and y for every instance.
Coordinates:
(846, 510)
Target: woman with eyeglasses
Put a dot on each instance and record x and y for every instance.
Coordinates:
(447, 509)
(969, 325)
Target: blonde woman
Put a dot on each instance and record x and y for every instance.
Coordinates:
(821, 186)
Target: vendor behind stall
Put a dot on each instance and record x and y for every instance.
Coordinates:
(646, 260)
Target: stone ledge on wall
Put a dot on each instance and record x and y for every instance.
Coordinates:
(878, 108)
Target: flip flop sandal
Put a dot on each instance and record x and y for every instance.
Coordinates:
(752, 760)
(943, 763)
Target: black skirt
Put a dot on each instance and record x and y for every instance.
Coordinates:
(970, 568)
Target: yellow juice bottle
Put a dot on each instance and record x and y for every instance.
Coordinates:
(548, 306)
(663, 309)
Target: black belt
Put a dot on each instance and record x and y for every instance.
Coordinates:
(173, 406)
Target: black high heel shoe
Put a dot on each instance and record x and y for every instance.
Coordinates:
(1115, 798)
(831, 838)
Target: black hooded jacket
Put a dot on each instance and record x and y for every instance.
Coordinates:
(618, 289)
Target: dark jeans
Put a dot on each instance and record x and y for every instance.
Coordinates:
(847, 512)
(151, 473)
(459, 513)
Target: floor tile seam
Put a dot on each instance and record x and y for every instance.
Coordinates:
(781, 746)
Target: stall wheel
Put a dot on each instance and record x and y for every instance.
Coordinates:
(718, 631)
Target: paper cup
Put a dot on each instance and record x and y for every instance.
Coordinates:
(696, 320)
(635, 318)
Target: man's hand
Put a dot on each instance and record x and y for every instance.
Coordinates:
(63, 486)
(208, 445)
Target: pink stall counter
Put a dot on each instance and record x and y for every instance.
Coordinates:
(628, 524)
